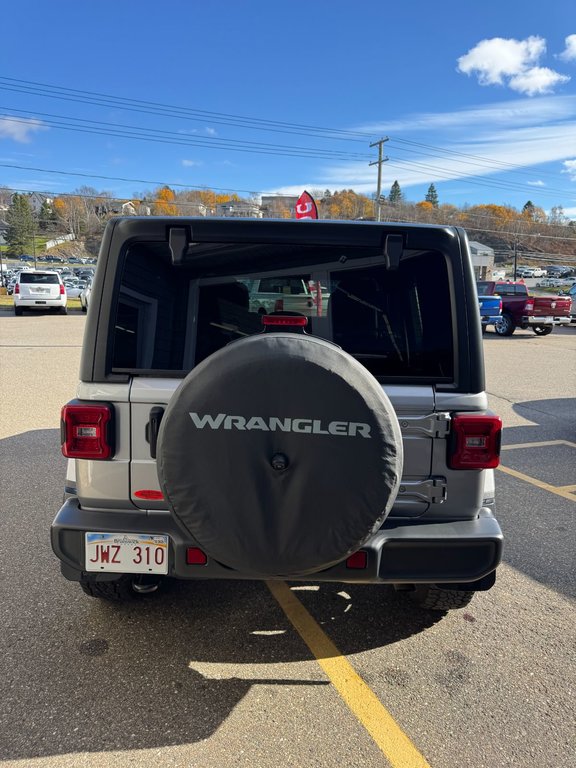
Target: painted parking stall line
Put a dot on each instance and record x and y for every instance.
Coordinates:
(559, 491)
(360, 699)
(565, 491)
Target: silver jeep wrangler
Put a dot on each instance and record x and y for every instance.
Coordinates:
(349, 441)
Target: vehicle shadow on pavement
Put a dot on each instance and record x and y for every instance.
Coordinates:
(81, 675)
(538, 525)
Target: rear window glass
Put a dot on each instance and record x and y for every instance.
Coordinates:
(42, 278)
(396, 323)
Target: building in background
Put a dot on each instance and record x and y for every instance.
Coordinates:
(482, 259)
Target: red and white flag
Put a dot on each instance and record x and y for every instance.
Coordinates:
(306, 207)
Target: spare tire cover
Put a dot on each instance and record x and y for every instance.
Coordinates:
(280, 454)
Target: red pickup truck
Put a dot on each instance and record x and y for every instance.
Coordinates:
(520, 310)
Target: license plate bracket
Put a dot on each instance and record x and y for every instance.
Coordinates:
(126, 553)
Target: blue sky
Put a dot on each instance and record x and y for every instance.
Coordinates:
(478, 98)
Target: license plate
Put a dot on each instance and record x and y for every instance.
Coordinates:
(126, 553)
(39, 302)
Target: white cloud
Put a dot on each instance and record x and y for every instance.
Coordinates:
(570, 169)
(493, 59)
(536, 80)
(516, 113)
(190, 163)
(19, 129)
(210, 131)
(536, 183)
(569, 53)
(501, 61)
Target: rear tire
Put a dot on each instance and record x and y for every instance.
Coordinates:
(63, 311)
(505, 326)
(542, 330)
(18, 311)
(127, 588)
(431, 597)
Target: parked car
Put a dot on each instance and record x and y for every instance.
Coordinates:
(85, 297)
(549, 282)
(490, 310)
(520, 310)
(348, 445)
(572, 295)
(39, 289)
(558, 270)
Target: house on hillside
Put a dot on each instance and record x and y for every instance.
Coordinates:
(273, 206)
(239, 209)
(37, 200)
(482, 259)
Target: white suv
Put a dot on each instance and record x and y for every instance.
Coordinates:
(39, 289)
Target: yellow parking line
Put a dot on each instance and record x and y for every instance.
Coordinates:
(543, 444)
(361, 700)
(559, 491)
(567, 488)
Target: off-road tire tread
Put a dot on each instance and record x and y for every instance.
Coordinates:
(119, 591)
(434, 598)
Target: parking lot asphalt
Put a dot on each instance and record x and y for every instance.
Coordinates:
(216, 673)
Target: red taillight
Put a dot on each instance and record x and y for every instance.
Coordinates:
(296, 320)
(279, 305)
(62, 290)
(358, 561)
(195, 556)
(529, 306)
(17, 288)
(500, 305)
(87, 431)
(475, 442)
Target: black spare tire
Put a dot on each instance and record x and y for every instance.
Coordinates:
(280, 454)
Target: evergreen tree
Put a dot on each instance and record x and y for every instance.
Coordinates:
(47, 217)
(20, 233)
(432, 196)
(395, 195)
(528, 208)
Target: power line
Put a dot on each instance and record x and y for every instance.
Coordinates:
(157, 108)
(154, 135)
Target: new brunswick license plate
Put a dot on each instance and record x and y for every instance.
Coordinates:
(126, 553)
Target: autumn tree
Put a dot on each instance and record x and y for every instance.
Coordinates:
(432, 196)
(70, 212)
(395, 197)
(20, 233)
(164, 202)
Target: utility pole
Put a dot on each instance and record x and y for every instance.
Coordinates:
(381, 159)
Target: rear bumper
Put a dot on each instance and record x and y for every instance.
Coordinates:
(39, 303)
(529, 320)
(402, 552)
(490, 319)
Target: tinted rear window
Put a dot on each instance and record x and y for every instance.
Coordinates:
(38, 278)
(396, 323)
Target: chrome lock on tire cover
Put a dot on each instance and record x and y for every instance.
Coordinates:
(273, 395)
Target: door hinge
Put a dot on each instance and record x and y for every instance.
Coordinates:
(433, 490)
(433, 425)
